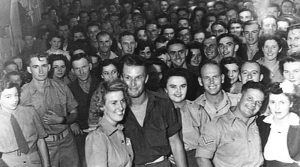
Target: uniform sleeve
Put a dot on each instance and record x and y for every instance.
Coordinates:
(94, 111)
(71, 101)
(171, 118)
(38, 125)
(208, 141)
(96, 149)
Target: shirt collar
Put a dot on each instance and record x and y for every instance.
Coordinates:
(231, 117)
(202, 99)
(108, 128)
(33, 89)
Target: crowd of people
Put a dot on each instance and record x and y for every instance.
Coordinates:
(155, 83)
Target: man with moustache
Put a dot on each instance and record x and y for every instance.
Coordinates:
(232, 139)
(214, 101)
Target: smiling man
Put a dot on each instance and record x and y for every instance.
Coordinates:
(232, 140)
(214, 101)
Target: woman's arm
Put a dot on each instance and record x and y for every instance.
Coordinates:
(43, 152)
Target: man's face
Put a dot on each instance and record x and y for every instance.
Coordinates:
(210, 48)
(164, 6)
(107, 27)
(178, 54)
(9, 99)
(250, 103)
(232, 14)
(176, 88)
(92, 32)
(78, 35)
(105, 43)
(250, 72)
(152, 31)
(251, 33)
(269, 26)
(84, 18)
(39, 68)
(273, 11)
(236, 29)
(169, 33)
(73, 22)
(218, 30)
(185, 36)
(28, 41)
(199, 15)
(64, 31)
(199, 37)
(183, 23)
(128, 44)
(81, 68)
(135, 77)
(293, 39)
(227, 47)
(146, 52)
(245, 16)
(142, 35)
(291, 72)
(211, 79)
(165, 58)
(287, 8)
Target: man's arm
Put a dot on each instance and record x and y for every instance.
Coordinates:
(178, 150)
(44, 152)
(204, 162)
(51, 118)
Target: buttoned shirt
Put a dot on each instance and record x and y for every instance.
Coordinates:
(151, 140)
(107, 146)
(229, 142)
(192, 123)
(276, 147)
(29, 123)
(56, 97)
(228, 101)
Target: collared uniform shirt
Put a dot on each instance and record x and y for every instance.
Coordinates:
(193, 121)
(57, 97)
(151, 140)
(107, 147)
(229, 142)
(228, 101)
(29, 123)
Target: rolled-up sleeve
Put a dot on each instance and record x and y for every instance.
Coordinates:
(208, 141)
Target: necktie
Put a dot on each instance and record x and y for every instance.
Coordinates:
(22, 143)
(180, 122)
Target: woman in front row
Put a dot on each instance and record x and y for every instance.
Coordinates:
(107, 146)
(273, 128)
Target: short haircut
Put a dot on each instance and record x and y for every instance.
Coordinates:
(77, 29)
(132, 60)
(125, 33)
(37, 55)
(62, 23)
(293, 27)
(251, 62)
(175, 41)
(160, 52)
(246, 10)
(9, 62)
(102, 33)
(209, 62)
(142, 45)
(219, 23)
(79, 56)
(269, 16)
(274, 5)
(234, 38)
(274, 88)
(161, 39)
(234, 21)
(251, 22)
(92, 24)
(253, 85)
(289, 59)
(107, 62)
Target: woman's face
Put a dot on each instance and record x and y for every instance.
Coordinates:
(55, 43)
(279, 105)
(176, 88)
(233, 72)
(59, 69)
(196, 57)
(270, 50)
(114, 106)
(109, 72)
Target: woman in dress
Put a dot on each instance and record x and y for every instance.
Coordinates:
(107, 146)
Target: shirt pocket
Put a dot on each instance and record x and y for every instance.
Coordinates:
(232, 145)
(156, 135)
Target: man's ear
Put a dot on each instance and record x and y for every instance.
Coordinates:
(49, 67)
(222, 78)
(28, 69)
(240, 78)
(236, 47)
(200, 81)
(146, 79)
(261, 77)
